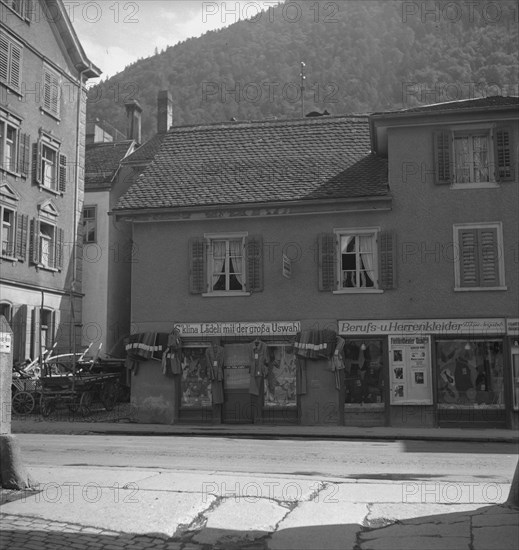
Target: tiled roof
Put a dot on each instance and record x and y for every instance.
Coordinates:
(259, 162)
(479, 103)
(147, 151)
(102, 161)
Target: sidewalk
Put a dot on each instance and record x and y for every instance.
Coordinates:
(115, 508)
(77, 426)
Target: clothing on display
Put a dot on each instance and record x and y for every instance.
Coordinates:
(215, 358)
(140, 347)
(258, 354)
(172, 355)
(315, 343)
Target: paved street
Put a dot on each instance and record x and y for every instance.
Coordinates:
(309, 457)
(201, 493)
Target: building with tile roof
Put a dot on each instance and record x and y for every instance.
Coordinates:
(388, 238)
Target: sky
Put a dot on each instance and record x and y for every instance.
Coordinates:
(115, 33)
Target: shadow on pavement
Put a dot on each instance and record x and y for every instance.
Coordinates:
(484, 528)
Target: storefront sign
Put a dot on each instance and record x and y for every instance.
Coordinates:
(410, 370)
(273, 328)
(5, 342)
(512, 327)
(422, 326)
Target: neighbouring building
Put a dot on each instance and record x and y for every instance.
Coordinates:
(112, 165)
(347, 270)
(43, 72)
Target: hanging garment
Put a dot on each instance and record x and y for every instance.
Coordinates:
(140, 347)
(172, 355)
(259, 365)
(338, 361)
(301, 376)
(215, 356)
(315, 343)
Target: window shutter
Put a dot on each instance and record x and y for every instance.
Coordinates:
(197, 266)
(20, 334)
(504, 162)
(387, 258)
(34, 248)
(254, 260)
(442, 156)
(62, 173)
(22, 226)
(327, 261)
(15, 74)
(36, 162)
(4, 57)
(36, 332)
(468, 243)
(23, 154)
(58, 255)
(488, 257)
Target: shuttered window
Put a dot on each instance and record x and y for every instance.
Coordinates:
(10, 62)
(479, 257)
(474, 157)
(227, 264)
(46, 245)
(356, 261)
(51, 91)
(49, 166)
(14, 145)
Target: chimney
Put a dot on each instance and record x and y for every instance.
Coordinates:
(133, 119)
(164, 111)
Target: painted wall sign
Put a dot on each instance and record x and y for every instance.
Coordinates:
(5, 342)
(422, 326)
(270, 328)
(410, 370)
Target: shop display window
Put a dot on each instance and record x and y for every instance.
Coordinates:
(515, 375)
(470, 373)
(195, 385)
(364, 373)
(280, 382)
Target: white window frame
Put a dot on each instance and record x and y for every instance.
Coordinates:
(227, 237)
(46, 143)
(51, 96)
(457, 255)
(11, 231)
(93, 221)
(466, 130)
(7, 122)
(374, 232)
(51, 244)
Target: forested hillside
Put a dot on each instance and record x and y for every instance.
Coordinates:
(360, 56)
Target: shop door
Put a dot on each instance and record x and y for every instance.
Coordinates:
(237, 406)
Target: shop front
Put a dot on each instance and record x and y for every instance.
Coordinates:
(440, 372)
(237, 373)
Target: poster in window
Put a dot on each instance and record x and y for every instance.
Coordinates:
(410, 370)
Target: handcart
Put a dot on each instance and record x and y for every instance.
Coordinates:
(78, 391)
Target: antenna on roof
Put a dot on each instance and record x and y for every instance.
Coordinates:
(303, 78)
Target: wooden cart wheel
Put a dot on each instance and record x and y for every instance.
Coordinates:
(109, 393)
(85, 403)
(46, 405)
(23, 402)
